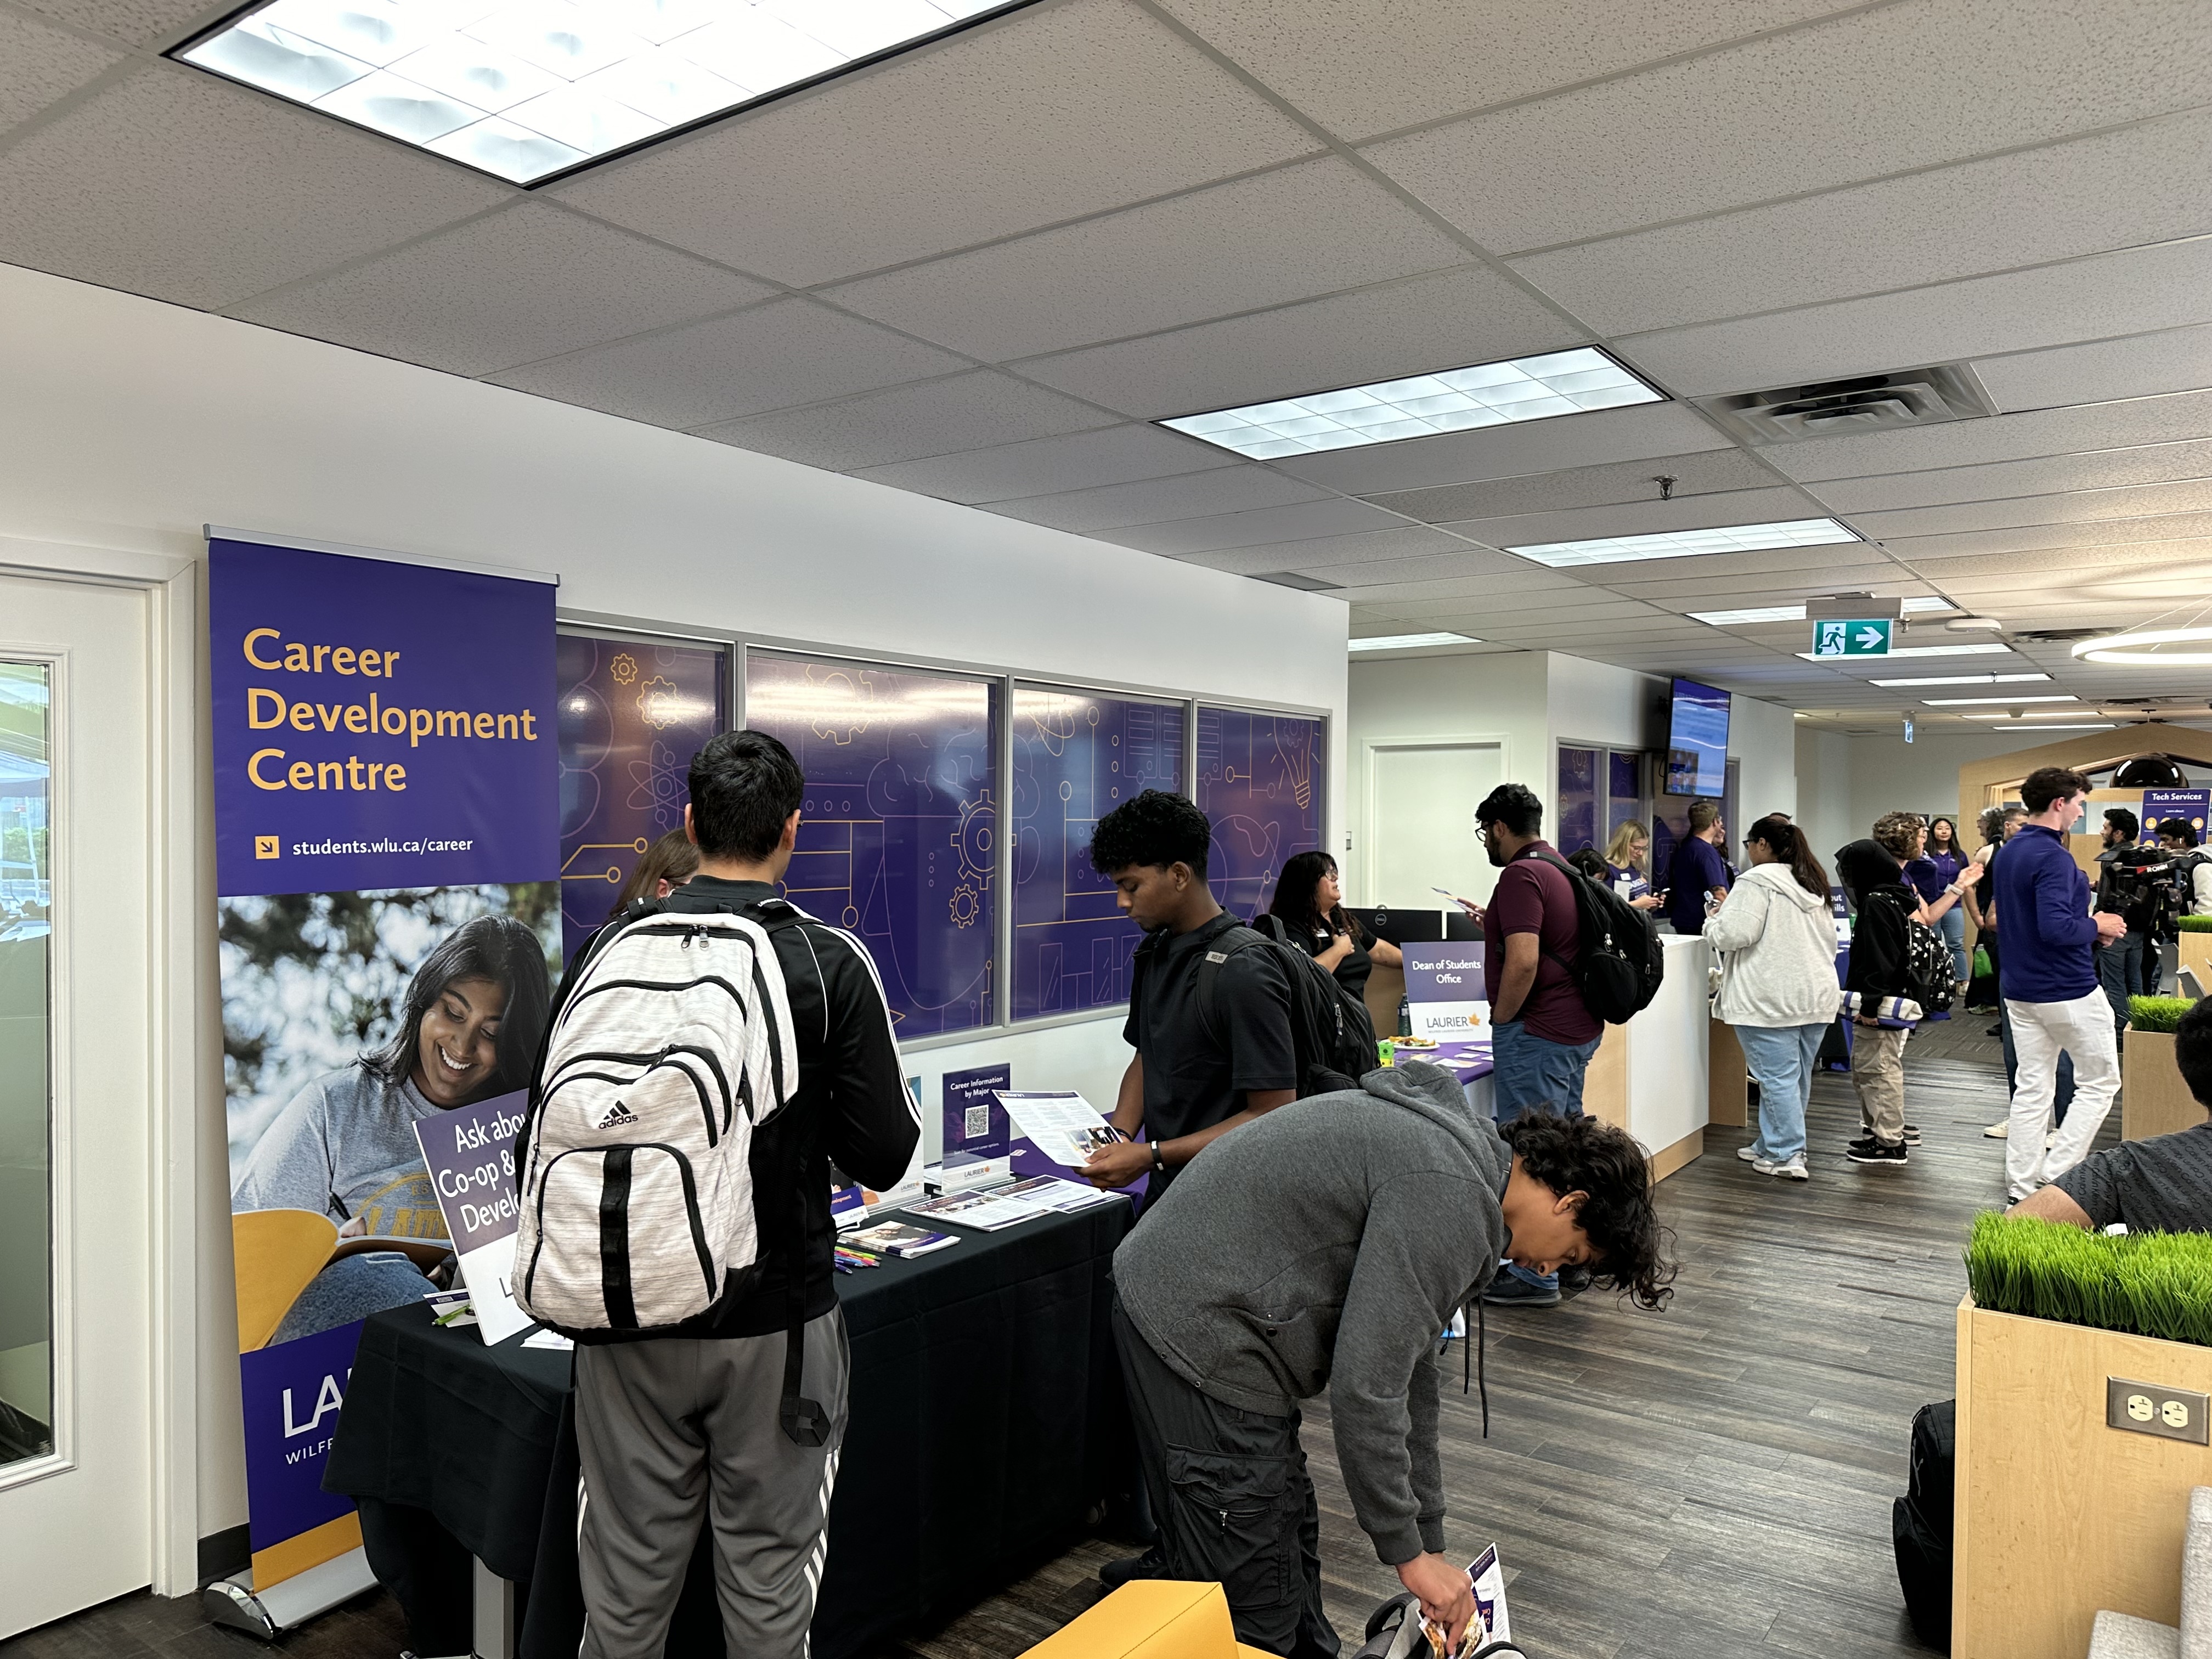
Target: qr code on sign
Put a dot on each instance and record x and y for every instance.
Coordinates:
(977, 1124)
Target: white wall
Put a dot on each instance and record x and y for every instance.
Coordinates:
(128, 424)
(1824, 811)
(1763, 741)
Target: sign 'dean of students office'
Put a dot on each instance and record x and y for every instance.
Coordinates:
(1445, 990)
(386, 780)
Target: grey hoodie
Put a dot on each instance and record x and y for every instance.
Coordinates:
(1325, 1246)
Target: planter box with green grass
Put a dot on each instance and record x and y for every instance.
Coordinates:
(2153, 1100)
(2058, 1514)
(2193, 947)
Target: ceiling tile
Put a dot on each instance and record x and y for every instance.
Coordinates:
(1081, 460)
(787, 351)
(1447, 320)
(1878, 92)
(1582, 486)
(1777, 504)
(1154, 500)
(2122, 293)
(1333, 516)
(528, 282)
(2145, 501)
(1049, 115)
(140, 23)
(174, 183)
(1370, 66)
(1642, 431)
(2058, 540)
(1999, 438)
(1504, 615)
(40, 66)
(2177, 360)
(1357, 549)
(976, 410)
(1286, 236)
(1502, 572)
(2144, 184)
(2095, 470)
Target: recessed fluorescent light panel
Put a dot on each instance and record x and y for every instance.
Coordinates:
(2101, 725)
(1965, 702)
(1408, 641)
(2038, 714)
(528, 90)
(1989, 649)
(1792, 613)
(1967, 679)
(1422, 405)
(1688, 543)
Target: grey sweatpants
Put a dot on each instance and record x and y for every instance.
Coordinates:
(676, 1429)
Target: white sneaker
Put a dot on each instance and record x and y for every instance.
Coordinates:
(1998, 1131)
(1795, 1170)
(1748, 1154)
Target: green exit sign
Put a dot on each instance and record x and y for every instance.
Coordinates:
(1867, 637)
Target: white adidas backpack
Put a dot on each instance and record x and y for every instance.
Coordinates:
(673, 1044)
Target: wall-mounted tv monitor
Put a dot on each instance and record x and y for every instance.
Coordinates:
(1697, 740)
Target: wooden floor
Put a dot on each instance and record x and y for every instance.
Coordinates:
(1709, 1481)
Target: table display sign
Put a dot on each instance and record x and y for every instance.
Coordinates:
(1445, 990)
(976, 1125)
(470, 1153)
(384, 790)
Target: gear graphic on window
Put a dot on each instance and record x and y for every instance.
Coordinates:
(966, 906)
(661, 703)
(838, 705)
(974, 837)
(623, 668)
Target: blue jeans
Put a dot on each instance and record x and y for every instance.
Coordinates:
(2119, 970)
(1781, 1057)
(1952, 925)
(2064, 1097)
(352, 1287)
(1533, 1073)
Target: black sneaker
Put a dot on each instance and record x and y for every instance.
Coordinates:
(1507, 1292)
(1877, 1151)
(1912, 1134)
(1573, 1281)
(1150, 1564)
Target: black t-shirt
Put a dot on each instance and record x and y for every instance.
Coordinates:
(851, 1105)
(2162, 1185)
(1194, 1077)
(1354, 970)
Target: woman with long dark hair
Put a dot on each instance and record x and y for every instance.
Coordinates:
(1776, 936)
(1310, 900)
(665, 867)
(1940, 862)
(344, 1147)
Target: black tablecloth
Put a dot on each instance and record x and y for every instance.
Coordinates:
(987, 1423)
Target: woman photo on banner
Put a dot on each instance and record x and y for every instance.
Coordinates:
(343, 1150)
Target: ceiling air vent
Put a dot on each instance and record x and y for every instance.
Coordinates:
(1835, 409)
(2056, 635)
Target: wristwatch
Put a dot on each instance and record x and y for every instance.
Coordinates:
(1159, 1164)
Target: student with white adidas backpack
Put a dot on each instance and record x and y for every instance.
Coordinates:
(710, 1053)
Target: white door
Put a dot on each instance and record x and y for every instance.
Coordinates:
(76, 999)
(1420, 821)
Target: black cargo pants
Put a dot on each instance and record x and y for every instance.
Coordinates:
(1230, 1494)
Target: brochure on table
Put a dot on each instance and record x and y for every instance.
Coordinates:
(1444, 990)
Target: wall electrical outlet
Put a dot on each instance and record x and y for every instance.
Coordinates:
(2153, 1408)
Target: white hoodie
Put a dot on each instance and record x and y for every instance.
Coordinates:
(1778, 945)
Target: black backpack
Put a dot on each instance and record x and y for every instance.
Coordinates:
(1619, 964)
(1921, 1524)
(1930, 970)
(2133, 885)
(1332, 1036)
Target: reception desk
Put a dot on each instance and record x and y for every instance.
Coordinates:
(1653, 1076)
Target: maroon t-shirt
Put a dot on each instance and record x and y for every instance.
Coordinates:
(1534, 897)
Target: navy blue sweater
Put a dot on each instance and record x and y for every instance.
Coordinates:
(2050, 951)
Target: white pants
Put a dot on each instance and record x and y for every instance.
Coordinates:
(2083, 1029)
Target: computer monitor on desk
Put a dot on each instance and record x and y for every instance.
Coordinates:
(1404, 926)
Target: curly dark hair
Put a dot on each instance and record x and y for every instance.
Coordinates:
(1157, 829)
(1589, 1155)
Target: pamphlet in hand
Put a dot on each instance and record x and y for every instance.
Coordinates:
(1062, 1124)
(1488, 1574)
(894, 1238)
